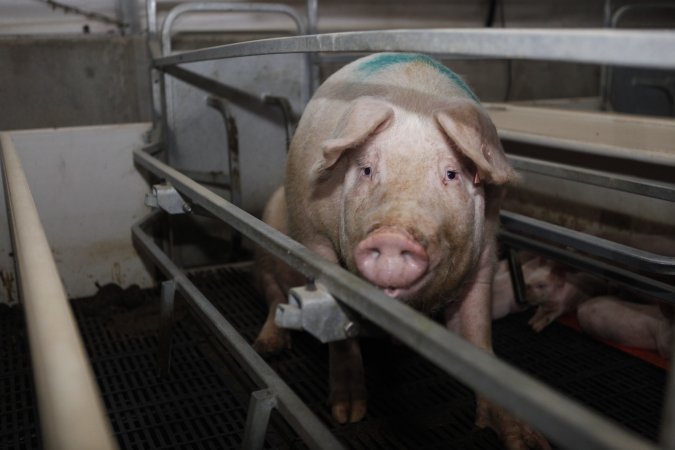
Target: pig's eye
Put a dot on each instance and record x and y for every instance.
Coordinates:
(450, 175)
(366, 171)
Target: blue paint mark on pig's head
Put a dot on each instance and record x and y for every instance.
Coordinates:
(385, 60)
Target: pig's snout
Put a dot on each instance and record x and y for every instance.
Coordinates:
(392, 260)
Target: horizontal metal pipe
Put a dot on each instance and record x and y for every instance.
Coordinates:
(633, 258)
(563, 420)
(591, 148)
(594, 46)
(624, 183)
(72, 416)
(297, 414)
(185, 8)
(650, 287)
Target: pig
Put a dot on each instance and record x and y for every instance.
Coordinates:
(395, 172)
(640, 325)
(554, 290)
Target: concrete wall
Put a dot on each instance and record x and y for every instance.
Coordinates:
(88, 194)
(51, 82)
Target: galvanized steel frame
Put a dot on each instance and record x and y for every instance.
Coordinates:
(592, 46)
(563, 420)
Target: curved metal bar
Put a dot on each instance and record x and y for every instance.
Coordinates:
(619, 13)
(635, 259)
(593, 46)
(647, 286)
(225, 7)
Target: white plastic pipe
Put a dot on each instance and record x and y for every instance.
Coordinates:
(71, 411)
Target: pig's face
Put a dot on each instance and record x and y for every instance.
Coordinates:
(412, 214)
(412, 201)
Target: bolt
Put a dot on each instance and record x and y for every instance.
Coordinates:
(186, 208)
(351, 329)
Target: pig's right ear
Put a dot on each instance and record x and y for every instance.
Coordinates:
(364, 117)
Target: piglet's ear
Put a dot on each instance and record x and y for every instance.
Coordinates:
(475, 136)
(364, 117)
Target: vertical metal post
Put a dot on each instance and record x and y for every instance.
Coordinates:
(166, 308)
(667, 432)
(312, 58)
(232, 159)
(258, 417)
(517, 281)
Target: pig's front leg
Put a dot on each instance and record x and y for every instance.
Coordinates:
(272, 338)
(346, 382)
(472, 321)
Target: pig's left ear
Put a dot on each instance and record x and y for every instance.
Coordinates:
(364, 117)
(474, 134)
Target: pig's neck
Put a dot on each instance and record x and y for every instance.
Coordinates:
(579, 287)
(586, 284)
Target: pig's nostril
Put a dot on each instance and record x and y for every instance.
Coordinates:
(391, 259)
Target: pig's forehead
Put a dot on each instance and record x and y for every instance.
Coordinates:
(411, 132)
(381, 63)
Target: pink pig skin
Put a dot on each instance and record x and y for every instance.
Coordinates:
(395, 172)
(633, 324)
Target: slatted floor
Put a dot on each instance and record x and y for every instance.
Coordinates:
(202, 403)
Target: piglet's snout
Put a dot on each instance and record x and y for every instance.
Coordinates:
(391, 259)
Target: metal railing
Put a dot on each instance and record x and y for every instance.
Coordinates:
(563, 420)
(71, 411)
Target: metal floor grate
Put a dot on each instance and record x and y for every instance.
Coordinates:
(202, 403)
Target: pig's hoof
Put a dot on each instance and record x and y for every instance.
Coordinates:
(349, 412)
(273, 343)
(514, 434)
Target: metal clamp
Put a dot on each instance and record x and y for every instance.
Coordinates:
(313, 309)
(166, 197)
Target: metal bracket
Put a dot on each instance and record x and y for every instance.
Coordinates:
(166, 197)
(259, 409)
(313, 309)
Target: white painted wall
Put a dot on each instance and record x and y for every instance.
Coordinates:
(88, 195)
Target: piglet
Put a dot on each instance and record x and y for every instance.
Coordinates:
(640, 325)
(555, 290)
(395, 172)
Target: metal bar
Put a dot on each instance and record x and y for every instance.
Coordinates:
(151, 13)
(259, 410)
(232, 159)
(634, 258)
(516, 273)
(624, 183)
(619, 13)
(185, 8)
(590, 148)
(650, 287)
(563, 420)
(233, 94)
(593, 46)
(667, 434)
(71, 411)
(312, 431)
(166, 309)
(312, 16)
